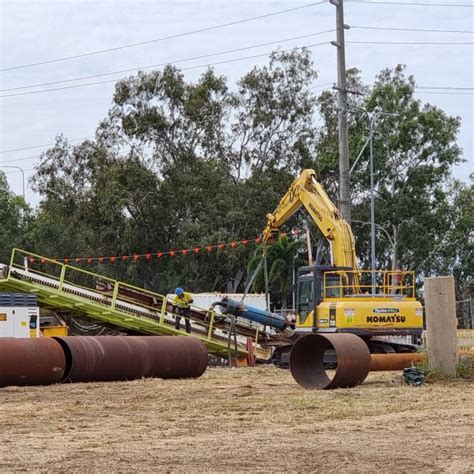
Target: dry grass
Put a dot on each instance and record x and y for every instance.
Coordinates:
(238, 419)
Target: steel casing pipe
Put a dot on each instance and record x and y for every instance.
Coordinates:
(30, 361)
(109, 358)
(307, 361)
(381, 362)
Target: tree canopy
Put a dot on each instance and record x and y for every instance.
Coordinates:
(178, 164)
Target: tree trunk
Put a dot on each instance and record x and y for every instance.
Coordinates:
(233, 285)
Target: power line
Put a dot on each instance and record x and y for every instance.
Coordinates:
(410, 42)
(41, 146)
(163, 38)
(452, 5)
(17, 171)
(443, 93)
(182, 69)
(446, 87)
(20, 159)
(424, 30)
(168, 62)
(321, 85)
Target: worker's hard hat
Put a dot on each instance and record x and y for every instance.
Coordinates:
(179, 291)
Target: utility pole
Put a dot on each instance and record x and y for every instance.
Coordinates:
(344, 175)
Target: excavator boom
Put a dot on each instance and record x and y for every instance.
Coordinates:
(308, 193)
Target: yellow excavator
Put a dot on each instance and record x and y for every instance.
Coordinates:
(340, 297)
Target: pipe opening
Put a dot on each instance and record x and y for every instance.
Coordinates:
(346, 352)
(68, 357)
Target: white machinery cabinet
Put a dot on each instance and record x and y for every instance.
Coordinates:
(19, 315)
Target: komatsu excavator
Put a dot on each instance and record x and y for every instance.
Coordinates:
(340, 297)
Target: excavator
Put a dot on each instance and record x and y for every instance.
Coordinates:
(340, 297)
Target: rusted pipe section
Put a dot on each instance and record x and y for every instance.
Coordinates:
(381, 362)
(175, 357)
(35, 361)
(109, 358)
(307, 361)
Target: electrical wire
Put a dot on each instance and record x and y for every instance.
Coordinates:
(321, 85)
(168, 62)
(182, 69)
(424, 30)
(417, 90)
(18, 171)
(21, 159)
(450, 43)
(163, 38)
(446, 87)
(422, 4)
(41, 146)
(443, 93)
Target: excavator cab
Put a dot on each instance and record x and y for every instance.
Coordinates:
(305, 296)
(311, 291)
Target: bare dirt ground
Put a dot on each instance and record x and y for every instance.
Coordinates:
(236, 420)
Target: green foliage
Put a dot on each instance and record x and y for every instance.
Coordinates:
(454, 249)
(175, 165)
(282, 258)
(15, 217)
(414, 151)
(178, 164)
(430, 373)
(464, 370)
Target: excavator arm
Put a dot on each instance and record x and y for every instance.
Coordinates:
(306, 192)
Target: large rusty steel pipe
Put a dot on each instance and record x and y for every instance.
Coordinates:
(307, 361)
(109, 358)
(30, 361)
(175, 357)
(381, 362)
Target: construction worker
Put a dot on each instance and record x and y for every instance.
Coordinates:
(182, 304)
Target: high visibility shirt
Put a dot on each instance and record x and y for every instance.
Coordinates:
(184, 300)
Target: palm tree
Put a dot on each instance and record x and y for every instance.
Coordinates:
(282, 256)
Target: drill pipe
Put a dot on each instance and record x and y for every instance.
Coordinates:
(307, 361)
(380, 362)
(35, 361)
(109, 358)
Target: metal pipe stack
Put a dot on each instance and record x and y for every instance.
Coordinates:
(45, 361)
